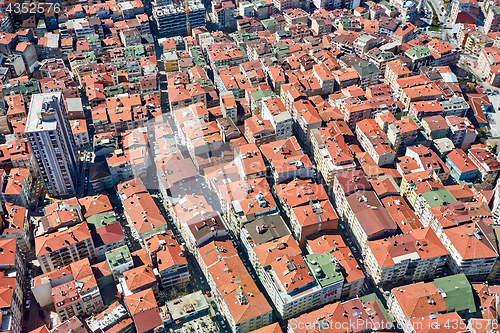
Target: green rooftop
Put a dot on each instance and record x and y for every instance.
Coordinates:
(243, 36)
(29, 87)
(458, 292)
(118, 257)
(326, 268)
(366, 68)
(147, 38)
(383, 55)
(282, 49)
(418, 52)
(108, 142)
(205, 82)
(134, 51)
(93, 39)
(438, 197)
(197, 56)
(387, 5)
(270, 24)
(90, 57)
(346, 22)
(495, 9)
(99, 220)
(113, 91)
(260, 94)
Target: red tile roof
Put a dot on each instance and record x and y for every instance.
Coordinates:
(143, 308)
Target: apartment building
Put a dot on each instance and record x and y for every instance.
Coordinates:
(357, 204)
(274, 111)
(462, 168)
(18, 187)
(80, 296)
(368, 73)
(402, 133)
(472, 250)
(87, 298)
(241, 200)
(462, 132)
(119, 260)
(455, 106)
(142, 215)
(219, 261)
(262, 238)
(331, 242)
(488, 62)
(345, 77)
(443, 53)
(355, 110)
(395, 70)
(307, 206)
(52, 143)
(139, 278)
(306, 119)
(444, 295)
(430, 197)
(12, 295)
(374, 142)
(197, 221)
(64, 246)
(365, 314)
(476, 42)
(143, 308)
(434, 127)
(331, 153)
(18, 226)
(410, 257)
(427, 159)
(221, 55)
(167, 255)
(114, 316)
(411, 181)
(107, 237)
(425, 92)
(287, 160)
(259, 131)
(249, 161)
(486, 162)
(345, 184)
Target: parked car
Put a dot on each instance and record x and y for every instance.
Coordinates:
(208, 293)
(27, 304)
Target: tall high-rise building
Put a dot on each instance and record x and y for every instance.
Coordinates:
(171, 18)
(52, 143)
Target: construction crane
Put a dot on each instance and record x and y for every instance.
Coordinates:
(186, 9)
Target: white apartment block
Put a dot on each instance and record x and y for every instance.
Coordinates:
(52, 143)
(293, 290)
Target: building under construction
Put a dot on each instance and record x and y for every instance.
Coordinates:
(173, 19)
